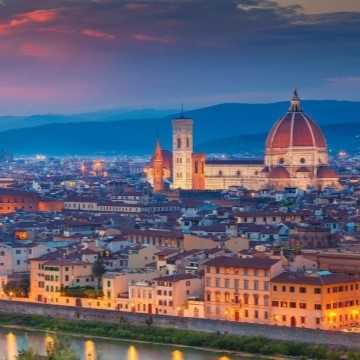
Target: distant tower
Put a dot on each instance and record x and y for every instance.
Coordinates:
(182, 152)
(158, 163)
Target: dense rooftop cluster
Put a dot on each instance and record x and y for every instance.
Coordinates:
(92, 233)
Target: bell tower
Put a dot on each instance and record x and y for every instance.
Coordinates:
(158, 163)
(182, 152)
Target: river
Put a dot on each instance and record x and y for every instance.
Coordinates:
(90, 348)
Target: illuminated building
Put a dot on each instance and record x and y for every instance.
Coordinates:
(295, 156)
(316, 300)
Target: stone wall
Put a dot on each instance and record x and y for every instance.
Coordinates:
(328, 338)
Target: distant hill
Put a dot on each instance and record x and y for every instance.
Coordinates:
(19, 122)
(344, 136)
(220, 128)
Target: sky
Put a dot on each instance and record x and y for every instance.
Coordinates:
(73, 56)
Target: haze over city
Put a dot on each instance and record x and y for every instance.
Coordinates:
(60, 56)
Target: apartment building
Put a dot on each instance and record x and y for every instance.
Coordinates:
(315, 299)
(238, 289)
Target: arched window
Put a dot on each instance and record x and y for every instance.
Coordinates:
(179, 143)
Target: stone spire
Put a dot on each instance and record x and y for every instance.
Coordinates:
(158, 163)
(295, 105)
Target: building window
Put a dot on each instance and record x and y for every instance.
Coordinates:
(246, 299)
(246, 284)
(292, 289)
(292, 304)
(236, 284)
(317, 290)
(317, 306)
(302, 290)
(302, 305)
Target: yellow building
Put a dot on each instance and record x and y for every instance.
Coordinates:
(238, 289)
(47, 277)
(316, 300)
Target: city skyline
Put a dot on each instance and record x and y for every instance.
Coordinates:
(60, 56)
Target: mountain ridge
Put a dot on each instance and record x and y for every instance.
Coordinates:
(224, 124)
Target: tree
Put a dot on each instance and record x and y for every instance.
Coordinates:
(98, 269)
(18, 288)
(56, 349)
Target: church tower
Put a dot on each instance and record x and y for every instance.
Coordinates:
(182, 152)
(158, 163)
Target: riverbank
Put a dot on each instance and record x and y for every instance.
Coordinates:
(237, 345)
(220, 352)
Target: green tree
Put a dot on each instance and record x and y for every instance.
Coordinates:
(18, 288)
(98, 269)
(56, 349)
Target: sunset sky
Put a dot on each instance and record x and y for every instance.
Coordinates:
(70, 56)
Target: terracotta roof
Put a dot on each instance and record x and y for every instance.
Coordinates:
(241, 263)
(303, 169)
(279, 172)
(176, 277)
(326, 172)
(313, 278)
(295, 128)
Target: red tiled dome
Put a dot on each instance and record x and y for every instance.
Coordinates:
(326, 172)
(279, 172)
(295, 128)
(303, 169)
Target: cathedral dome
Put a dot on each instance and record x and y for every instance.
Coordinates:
(326, 172)
(295, 129)
(279, 172)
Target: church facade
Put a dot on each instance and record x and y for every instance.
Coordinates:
(295, 156)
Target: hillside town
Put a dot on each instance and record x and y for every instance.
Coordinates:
(92, 233)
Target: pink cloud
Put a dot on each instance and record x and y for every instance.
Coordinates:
(161, 39)
(30, 17)
(33, 50)
(40, 15)
(98, 34)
